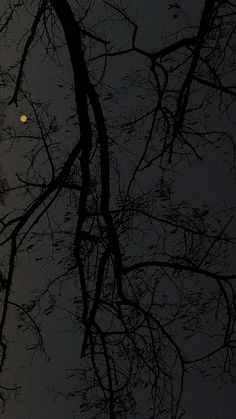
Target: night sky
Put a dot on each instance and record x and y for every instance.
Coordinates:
(45, 377)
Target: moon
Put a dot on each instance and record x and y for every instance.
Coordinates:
(23, 118)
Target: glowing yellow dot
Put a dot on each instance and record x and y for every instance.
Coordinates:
(23, 119)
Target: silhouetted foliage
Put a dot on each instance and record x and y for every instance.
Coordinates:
(93, 201)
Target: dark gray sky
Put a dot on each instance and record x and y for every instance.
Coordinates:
(210, 182)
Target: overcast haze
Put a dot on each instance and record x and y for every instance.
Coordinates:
(211, 181)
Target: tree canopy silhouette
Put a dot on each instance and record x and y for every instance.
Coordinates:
(145, 277)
